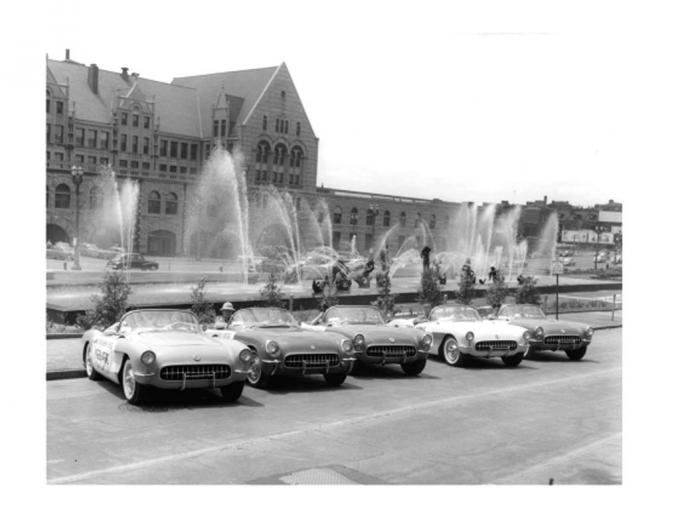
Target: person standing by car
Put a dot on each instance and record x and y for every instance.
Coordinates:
(226, 312)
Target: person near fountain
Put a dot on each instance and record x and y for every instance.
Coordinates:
(467, 271)
(493, 275)
(226, 312)
(425, 255)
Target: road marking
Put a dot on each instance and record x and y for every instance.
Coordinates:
(562, 457)
(240, 443)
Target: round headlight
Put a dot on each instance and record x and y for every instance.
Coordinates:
(426, 341)
(246, 356)
(469, 336)
(148, 357)
(347, 345)
(272, 347)
(589, 333)
(359, 341)
(526, 336)
(539, 332)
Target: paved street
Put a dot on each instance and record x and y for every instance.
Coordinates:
(485, 424)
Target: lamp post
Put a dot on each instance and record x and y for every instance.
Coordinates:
(77, 176)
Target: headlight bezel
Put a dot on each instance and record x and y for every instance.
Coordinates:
(347, 346)
(526, 336)
(469, 338)
(148, 358)
(272, 348)
(588, 333)
(246, 356)
(539, 333)
(426, 341)
(359, 341)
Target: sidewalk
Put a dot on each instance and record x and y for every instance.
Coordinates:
(65, 361)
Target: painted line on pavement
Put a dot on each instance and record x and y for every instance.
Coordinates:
(324, 426)
(558, 458)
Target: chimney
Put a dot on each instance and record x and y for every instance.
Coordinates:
(68, 55)
(93, 78)
(124, 73)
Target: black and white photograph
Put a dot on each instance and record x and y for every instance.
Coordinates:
(295, 245)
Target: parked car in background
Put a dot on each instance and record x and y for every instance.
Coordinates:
(132, 261)
(166, 349)
(459, 333)
(283, 348)
(375, 342)
(92, 250)
(549, 334)
(60, 251)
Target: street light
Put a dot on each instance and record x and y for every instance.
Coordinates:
(77, 176)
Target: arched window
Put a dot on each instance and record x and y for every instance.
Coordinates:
(96, 198)
(370, 217)
(279, 155)
(171, 203)
(337, 215)
(264, 123)
(402, 219)
(433, 221)
(295, 157)
(154, 205)
(386, 219)
(62, 197)
(262, 155)
(353, 216)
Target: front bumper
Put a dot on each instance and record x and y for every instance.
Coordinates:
(472, 351)
(278, 367)
(386, 358)
(558, 344)
(153, 378)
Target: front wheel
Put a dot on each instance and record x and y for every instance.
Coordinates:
(256, 377)
(92, 374)
(577, 354)
(232, 392)
(414, 367)
(334, 380)
(451, 353)
(514, 360)
(134, 392)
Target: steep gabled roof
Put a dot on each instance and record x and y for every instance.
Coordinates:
(249, 84)
(175, 105)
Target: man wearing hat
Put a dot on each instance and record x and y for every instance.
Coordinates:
(227, 311)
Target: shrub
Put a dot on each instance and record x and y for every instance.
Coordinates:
(466, 285)
(271, 292)
(111, 305)
(430, 295)
(527, 291)
(385, 299)
(497, 292)
(200, 306)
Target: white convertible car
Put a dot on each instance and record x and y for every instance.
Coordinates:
(459, 333)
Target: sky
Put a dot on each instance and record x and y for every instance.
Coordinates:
(482, 102)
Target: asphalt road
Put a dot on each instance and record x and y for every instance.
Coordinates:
(486, 424)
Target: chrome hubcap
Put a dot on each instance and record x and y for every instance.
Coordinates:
(254, 374)
(451, 351)
(88, 361)
(128, 381)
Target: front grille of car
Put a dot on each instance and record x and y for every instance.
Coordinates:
(311, 360)
(562, 340)
(496, 345)
(179, 372)
(391, 351)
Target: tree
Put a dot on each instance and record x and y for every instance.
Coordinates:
(200, 306)
(329, 296)
(497, 291)
(430, 295)
(466, 284)
(385, 300)
(527, 291)
(271, 292)
(110, 305)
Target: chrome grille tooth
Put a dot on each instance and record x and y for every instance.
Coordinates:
(391, 351)
(562, 340)
(496, 345)
(316, 360)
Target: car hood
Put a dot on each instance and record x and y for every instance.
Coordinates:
(292, 338)
(377, 333)
(174, 339)
(551, 326)
(481, 329)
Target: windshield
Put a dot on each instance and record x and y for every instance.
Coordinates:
(264, 317)
(160, 320)
(455, 313)
(357, 315)
(522, 312)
